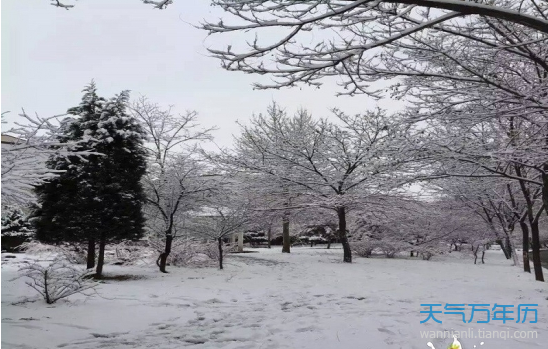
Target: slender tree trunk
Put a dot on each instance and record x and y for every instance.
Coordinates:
(162, 260)
(220, 245)
(525, 231)
(269, 237)
(91, 254)
(475, 252)
(285, 233)
(101, 257)
(347, 252)
(536, 251)
(328, 243)
(545, 184)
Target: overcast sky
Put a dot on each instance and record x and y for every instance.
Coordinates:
(49, 54)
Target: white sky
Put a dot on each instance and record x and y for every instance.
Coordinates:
(49, 54)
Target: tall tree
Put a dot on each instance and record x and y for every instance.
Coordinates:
(98, 197)
(327, 165)
(175, 181)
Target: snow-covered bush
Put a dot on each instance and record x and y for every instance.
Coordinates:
(58, 280)
(71, 252)
(363, 248)
(428, 251)
(193, 254)
(391, 248)
(128, 253)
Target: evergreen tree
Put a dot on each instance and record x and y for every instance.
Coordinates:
(111, 182)
(64, 214)
(14, 223)
(97, 198)
(16, 228)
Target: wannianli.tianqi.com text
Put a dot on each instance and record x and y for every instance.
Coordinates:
(478, 334)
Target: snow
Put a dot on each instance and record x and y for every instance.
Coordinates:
(306, 299)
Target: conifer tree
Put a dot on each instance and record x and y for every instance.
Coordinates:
(99, 197)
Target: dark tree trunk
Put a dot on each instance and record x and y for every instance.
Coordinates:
(545, 184)
(483, 256)
(162, 259)
(347, 253)
(536, 251)
(220, 245)
(269, 237)
(525, 231)
(286, 238)
(506, 247)
(91, 254)
(411, 253)
(475, 252)
(101, 257)
(328, 243)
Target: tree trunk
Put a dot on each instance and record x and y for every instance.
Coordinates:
(505, 247)
(91, 254)
(285, 233)
(536, 251)
(475, 252)
(347, 253)
(328, 243)
(241, 241)
(162, 260)
(525, 231)
(220, 245)
(545, 184)
(269, 236)
(101, 257)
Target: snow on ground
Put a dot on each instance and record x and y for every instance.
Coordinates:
(267, 300)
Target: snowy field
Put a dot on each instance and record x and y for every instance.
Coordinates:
(266, 300)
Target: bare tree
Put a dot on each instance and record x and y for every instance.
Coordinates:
(228, 210)
(361, 31)
(175, 181)
(324, 164)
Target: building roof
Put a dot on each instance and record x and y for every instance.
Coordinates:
(10, 139)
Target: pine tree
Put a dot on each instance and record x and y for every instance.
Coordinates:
(16, 228)
(113, 181)
(97, 198)
(64, 214)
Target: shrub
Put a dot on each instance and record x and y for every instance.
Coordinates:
(71, 252)
(193, 254)
(363, 248)
(131, 253)
(428, 251)
(58, 280)
(391, 248)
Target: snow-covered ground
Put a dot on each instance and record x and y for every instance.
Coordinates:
(308, 299)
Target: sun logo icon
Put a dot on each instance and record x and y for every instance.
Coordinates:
(454, 345)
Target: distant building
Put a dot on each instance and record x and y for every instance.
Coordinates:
(10, 140)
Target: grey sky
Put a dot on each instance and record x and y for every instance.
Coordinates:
(49, 54)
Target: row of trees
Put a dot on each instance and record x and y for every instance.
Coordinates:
(347, 172)
(474, 74)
